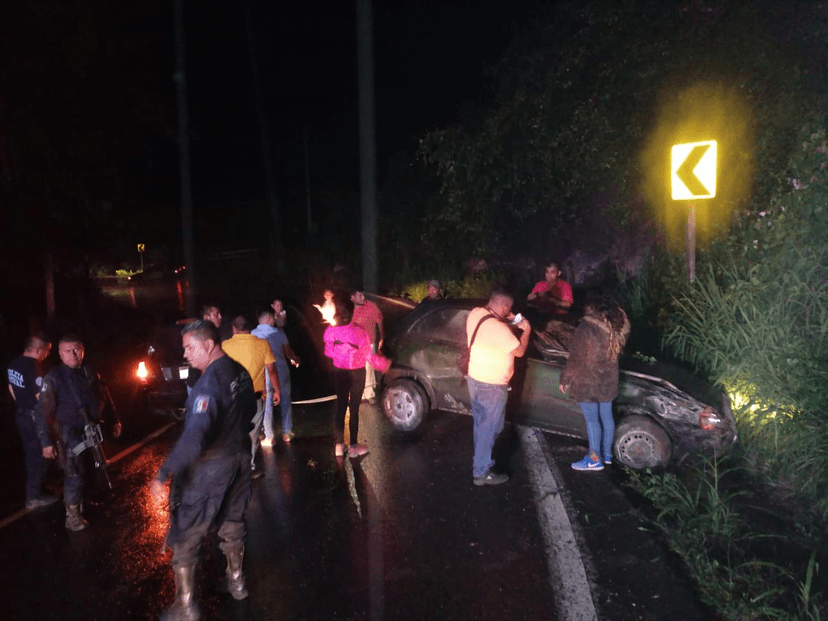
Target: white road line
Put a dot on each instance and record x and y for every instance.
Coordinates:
(573, 598)
(16, 516)
(13, 518)
(135, 447)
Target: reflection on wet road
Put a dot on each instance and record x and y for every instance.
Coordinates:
(399, 534)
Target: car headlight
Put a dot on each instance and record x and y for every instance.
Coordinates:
(709, 419)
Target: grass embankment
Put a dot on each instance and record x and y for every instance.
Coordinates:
(751, 556)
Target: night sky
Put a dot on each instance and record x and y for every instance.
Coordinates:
(430, 65)
(88, 109)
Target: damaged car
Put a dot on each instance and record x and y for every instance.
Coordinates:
(662, 413)
(162, 371)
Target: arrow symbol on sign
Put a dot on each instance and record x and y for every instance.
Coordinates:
(686, 174)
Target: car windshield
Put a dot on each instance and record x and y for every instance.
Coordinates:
(445, 324)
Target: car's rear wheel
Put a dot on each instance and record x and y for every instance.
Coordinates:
(641, 443)
(405, 404)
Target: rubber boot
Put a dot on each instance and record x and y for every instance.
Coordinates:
(74, 519)
(184, 607)
(235, 574)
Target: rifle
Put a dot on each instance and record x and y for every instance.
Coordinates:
(173, 501)
(93, 439)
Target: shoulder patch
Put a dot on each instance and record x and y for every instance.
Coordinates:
(201, 404)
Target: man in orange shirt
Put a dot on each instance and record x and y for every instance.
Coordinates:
(369, 317)
(256, 356)
(491, 366)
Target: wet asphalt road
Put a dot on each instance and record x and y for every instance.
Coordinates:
(399, 534)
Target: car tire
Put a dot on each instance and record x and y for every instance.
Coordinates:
(642, 443)
(405, 404)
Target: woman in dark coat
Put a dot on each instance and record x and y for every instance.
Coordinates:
(591, 373)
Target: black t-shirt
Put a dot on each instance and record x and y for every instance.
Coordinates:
(25, 378)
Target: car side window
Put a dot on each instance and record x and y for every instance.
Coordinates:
(445, 324)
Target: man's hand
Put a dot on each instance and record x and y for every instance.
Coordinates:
(49, 452)
(277, 397)
(116, 430)
(562, 388)
(525, 325)
(158, 492)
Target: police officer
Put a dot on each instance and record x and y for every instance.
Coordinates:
(71, 387)
(25, 379)
(209, 467)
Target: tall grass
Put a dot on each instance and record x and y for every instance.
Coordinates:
(765, 342)
(702, 523)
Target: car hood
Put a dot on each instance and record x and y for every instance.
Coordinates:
(676, 377)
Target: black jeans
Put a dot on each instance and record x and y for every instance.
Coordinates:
(349, 386)
(35, 462)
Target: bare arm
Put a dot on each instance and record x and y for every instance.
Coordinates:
(291, 355)
(274, 381)
(524, 338)
(12, 393)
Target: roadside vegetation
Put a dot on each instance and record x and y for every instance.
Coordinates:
(756, 322)
(571, 156)
(746, 560)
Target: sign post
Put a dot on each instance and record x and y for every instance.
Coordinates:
(692, 177)
(141, 249)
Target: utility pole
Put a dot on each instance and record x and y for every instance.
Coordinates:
(307, 183)
(367, 146)
(184, 157)
(277, 243)
(49, 269)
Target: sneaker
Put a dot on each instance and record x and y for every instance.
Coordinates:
(267, 442)
(491, 478)
(587, 464)
(41, 501)
(357, 450)
(608, 459)
(287, 437)
(339, 450)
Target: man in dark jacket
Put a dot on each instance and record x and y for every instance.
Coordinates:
(25, 380)
(209, 467)
(71, 393)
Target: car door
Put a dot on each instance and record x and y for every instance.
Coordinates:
(435, 345)
(542, 404)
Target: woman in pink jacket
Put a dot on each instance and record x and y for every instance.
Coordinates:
(349, 346)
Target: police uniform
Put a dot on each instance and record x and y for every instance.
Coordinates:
(65, 393)
(26, 378)
(210, 468)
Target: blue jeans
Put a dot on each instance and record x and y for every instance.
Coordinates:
(284, 404)
(600, 427)
(488, 403)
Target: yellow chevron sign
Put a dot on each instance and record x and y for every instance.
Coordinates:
(693, 170)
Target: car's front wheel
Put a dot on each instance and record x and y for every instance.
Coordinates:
(641, 443)
(405, 404)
